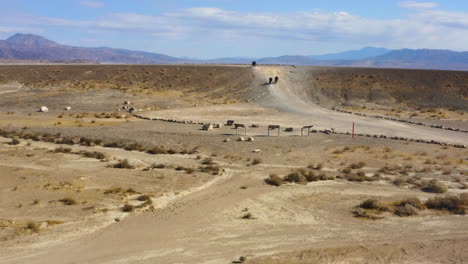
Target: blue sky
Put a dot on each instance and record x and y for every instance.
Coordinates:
(257, 28)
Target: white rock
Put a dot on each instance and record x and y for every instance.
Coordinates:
(256, 151)
(240, 139)
(43, 109)
(250, 139)
(226, 140)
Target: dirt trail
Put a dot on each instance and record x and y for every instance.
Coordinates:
(288, 103)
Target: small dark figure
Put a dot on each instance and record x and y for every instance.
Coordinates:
(254, 63)
(270, 80)
(276, 79)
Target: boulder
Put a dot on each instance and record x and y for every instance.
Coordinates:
(250, 139)
(226, 140)
(43, 109)
(240, 139)
(68, 108)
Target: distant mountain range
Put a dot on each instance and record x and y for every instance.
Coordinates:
(28, 47)
(361, 54)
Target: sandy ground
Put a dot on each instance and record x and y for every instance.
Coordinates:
(198, 217)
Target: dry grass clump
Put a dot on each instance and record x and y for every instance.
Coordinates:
(208, 161)
(450, 203)
(128, 208)
(68, 201)
(434, 187)
(33, 227)
(114, 144)
(187, 170)
(296, 177)
(62, 150)
(144, 198)
(93, 154)
(156, 166)
(248, 216)
(408, 207)
(300, 176)
(14, 141)
(135, 146)
(371, 208)
(370, 204)
(359, 165)
(256, 161)
(157, 150)
(84, 153)
(120, 190)
(123, 164)
(211, 169)
(274, 180)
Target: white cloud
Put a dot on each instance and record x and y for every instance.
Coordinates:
(92, 4)
(418, 5)
(428, 28)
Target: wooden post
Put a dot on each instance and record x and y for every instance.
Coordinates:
(353, 130)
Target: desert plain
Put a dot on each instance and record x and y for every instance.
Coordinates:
(119, 170)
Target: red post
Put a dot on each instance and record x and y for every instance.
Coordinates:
(353, 130)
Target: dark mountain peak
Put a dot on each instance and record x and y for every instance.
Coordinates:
(29, 40)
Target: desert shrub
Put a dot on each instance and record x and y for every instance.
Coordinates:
(212, 169)
(357, 178)
(157, 150)
(62, 150)
(435, 187)
(144, 198)
(296, 177)
(370, 204)
(346, 170)
(274, 180)
(160, 166)
(408, 207)
(451, 203)
(189, 170)
(247, 216)
(415, 202)
(34, 227)
(123, 164)
(93, 154)
(120, 191)
(134, 146)
(128, 208)
(399, 182)
(208, 161)
(171, 151)
(311, 177)
(14, 141)
(114, 144)
(256, 161)
(68, 201)
(359, 165)
(362, 213)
